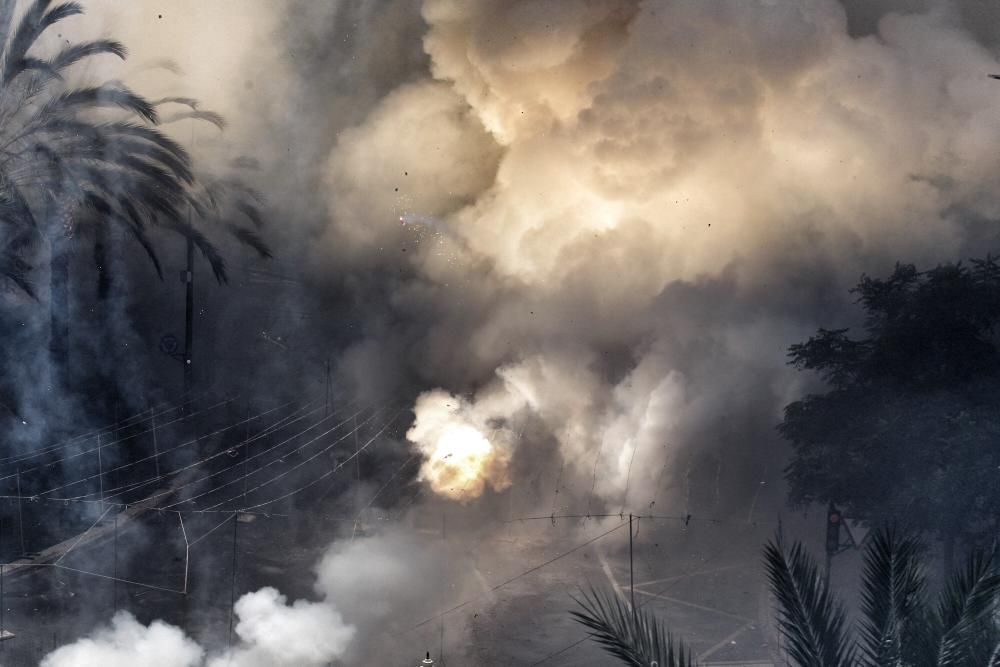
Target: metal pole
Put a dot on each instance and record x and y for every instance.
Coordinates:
(829, 564)
(116, 563)
(246, 454)
(357, 464)
(631, 574)
(232, 586)
(3, 602)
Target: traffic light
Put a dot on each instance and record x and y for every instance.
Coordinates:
(833, 521)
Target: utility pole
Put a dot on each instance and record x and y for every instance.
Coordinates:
(631, 574)
(3, 603)
(116, 563)
(357, 467)
(232, 585)
(246, 454)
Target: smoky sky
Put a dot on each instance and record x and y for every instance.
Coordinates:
(586, 231)
(600, 223)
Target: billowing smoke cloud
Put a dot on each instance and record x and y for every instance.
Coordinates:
(272, 632)
(368, 588)
(616, 217)
(637, 207)
(127, 642)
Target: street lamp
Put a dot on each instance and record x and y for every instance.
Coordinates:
(426, 661)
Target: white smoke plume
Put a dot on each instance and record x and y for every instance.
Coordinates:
(367, 588)
(274, 633)
(125, 643)
(271, 632)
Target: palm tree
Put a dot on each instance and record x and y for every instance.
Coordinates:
(898, 626)
(68, 168)
(636, 637)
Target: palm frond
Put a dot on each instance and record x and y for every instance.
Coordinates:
(809, 618)
(97, 96)
(197, 114)
(205, 247)
(892, 593)
(6, 19)
(36, 20)
(43, 67)
(969, 599)
(994, 660)
(24, 34)
(634, 637)
(252, 213)
(15, 269)
(133, 225)
(186, 101)
(77, 52)
(250, 238)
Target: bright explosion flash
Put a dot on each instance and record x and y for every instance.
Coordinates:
(459, 460)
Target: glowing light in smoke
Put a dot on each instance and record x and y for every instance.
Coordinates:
(459, 460)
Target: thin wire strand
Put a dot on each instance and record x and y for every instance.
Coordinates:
(275, 461)
(167, 451)
(267, 431)
(49, 464)
(70, 441)
(340, 465)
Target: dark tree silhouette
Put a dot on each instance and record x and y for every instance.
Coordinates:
(909, 429)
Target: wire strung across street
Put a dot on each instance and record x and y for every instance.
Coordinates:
(281, 423)
(188, 443)
(109, 444)
(298, 449)
(350, 458)
(146, 415)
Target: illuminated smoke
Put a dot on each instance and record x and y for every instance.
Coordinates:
(641, 200)
(461, 456)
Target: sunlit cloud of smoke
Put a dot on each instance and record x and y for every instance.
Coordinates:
(588, 160)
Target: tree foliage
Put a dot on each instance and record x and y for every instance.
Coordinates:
(908, 429)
